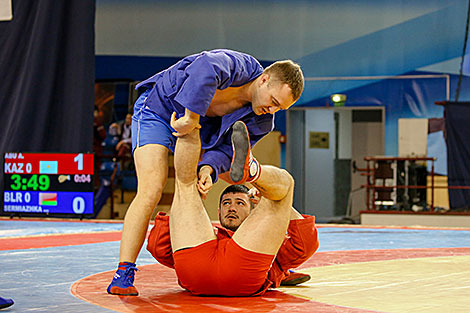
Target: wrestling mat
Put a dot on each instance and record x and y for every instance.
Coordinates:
(54, 266)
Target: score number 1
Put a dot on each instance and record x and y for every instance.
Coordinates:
(79, 160)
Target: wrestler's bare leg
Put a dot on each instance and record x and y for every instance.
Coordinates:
(151, 163)
(264, 230)
(189, 223)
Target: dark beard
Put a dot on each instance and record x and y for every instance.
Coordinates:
(232, 228)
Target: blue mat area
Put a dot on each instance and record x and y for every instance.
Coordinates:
(40, 279)
(31, 228)
(333, 239)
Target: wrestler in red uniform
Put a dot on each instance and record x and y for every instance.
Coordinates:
(251, 252)
(299, 245)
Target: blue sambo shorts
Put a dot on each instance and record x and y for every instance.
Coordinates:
(148, 127)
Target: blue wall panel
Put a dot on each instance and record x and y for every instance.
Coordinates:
(135, 39)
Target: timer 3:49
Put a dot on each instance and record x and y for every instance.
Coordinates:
(35, 182)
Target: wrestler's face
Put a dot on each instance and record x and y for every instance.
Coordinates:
(234, 208)
(270, 95)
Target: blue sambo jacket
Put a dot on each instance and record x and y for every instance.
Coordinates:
(192, 82)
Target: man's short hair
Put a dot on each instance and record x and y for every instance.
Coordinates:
(289, 73)
(235, 189)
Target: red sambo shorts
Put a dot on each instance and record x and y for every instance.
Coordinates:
(221, 267)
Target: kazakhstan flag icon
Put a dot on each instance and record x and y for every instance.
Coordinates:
(48, 167)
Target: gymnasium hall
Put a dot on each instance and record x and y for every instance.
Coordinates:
(378, 145)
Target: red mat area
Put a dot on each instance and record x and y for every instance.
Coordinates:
(159, 291)
(47, 241)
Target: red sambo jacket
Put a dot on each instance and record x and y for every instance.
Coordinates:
(300, 244)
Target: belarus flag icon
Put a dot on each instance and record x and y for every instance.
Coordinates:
(48, 198)
(48, 167)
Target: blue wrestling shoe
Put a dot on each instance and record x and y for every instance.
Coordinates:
(5, 303)
(244, 167)
(123, 280)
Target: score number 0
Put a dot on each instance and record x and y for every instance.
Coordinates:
(78, 205)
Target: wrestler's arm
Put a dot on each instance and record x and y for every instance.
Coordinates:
(159, 242)
(185, 124)
(300, 244)
(202, 78)
(204, 183)
(298, 247)
(207, 73)
(216, 161)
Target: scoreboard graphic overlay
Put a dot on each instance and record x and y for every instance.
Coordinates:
(48, 183)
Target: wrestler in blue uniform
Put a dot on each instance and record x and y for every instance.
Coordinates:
(191, 83)
(196, 90)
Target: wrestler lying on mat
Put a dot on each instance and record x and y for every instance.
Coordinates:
(251, 251)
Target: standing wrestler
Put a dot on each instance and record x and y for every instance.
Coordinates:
(212, 89)
(251, 251)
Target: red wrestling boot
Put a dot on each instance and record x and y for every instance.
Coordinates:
(294, 278)
(244, 168)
